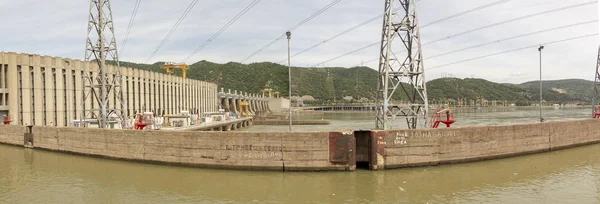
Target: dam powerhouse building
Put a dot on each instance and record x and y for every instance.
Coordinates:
(46, 91)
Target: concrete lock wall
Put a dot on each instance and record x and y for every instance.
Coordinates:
(281, 151)
(406, 148)
(311, 151)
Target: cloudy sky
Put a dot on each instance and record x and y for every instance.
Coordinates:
(58, 28)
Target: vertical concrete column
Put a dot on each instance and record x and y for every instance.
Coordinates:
(153, 92)
(10, 59)
(26, 93)
(203, 97)
(195, 96)
(171, 94)
(69, 91)
(38, 90)
(49, 89)
(235, 103)
(185, 95)
(188, 95)
(177, 95)
(165, 94)
(78, 68)
(259, 103)
(139, 90)
(227, 104)
(253, 104)
(162, 96)
(133, 80)
(60, 89)
(128, 91)
(148, 95)
(143, 86)
(180, 88)
(213, 92)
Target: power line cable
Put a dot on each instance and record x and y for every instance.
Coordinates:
(512, 20)
(466, 12)
(130, 25)
(513, 50)
(231, 22)
(545, 2)
(482, 27)
(505, 10)
(513, 37)
(381, 15)
(322, 10)
(181, 18)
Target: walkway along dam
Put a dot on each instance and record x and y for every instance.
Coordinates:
(309, 151)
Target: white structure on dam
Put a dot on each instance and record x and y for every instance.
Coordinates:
(46, 91)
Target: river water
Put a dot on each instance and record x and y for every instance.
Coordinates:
(352, 120)
(566, 176)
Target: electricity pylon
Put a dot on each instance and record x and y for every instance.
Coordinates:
(102, 90)
(401, 68)
(596, 85)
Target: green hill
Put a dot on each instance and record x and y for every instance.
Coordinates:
(327, 84)
(562, 90)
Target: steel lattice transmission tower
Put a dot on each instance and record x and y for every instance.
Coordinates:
(596, 84)
(102, 94)
(401, 70)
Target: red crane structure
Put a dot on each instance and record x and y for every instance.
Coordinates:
(437, 118)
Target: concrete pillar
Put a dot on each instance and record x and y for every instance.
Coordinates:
(227, 106)
(129, 88)
(59, 91)
(202, 98)
(10, 62)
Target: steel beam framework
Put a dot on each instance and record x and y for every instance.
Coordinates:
(401, 70)
(101, 88)
(596, 84)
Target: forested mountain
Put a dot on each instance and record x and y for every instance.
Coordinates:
(327, 84)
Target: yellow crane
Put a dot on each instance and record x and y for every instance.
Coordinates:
(169, 66)
(270, 93)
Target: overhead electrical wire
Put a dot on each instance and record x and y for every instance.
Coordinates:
(166, 38)
(546, 2)
(322, 10)
(231, 22)
(513, 37)
(513, 50)
(512, 20)
(130, 25)
(505, 10)
(500, 40)
(480, 28)
(381, 15)
(465, 12)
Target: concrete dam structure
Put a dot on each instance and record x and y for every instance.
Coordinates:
(46, 91)
(309, 151)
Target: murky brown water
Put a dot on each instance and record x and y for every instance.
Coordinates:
(35, 176)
